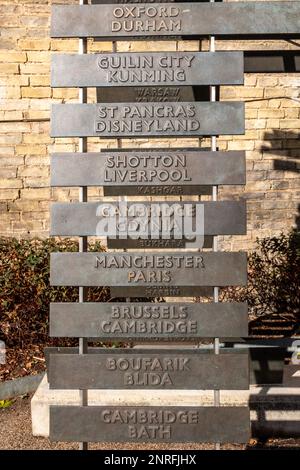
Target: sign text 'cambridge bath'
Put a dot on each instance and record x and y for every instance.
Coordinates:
(149, 424)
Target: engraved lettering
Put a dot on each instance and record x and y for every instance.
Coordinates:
(153, 371)
(149, 261)
(147, 69)
(147, 118)
(146, 19)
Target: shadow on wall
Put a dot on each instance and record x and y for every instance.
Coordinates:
(286, 144)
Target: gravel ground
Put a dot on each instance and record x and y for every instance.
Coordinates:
(15, 434)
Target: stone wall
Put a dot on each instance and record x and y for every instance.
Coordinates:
(271, 141)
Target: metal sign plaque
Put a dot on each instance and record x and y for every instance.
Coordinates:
(147, 119)
(149, 173)
(276, 61)
(254, 62)
(151, 243)
(150, 369)
(147, 69)
(149, 424)
(180, 19)
(266, 364)
(148, 321)
(149, 218)
(155, 94)
(160, 291)
(148, 269)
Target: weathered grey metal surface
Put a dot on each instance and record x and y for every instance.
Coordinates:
(21, 386)
(147, 119)
(266, 364)
(148, 369)
(160, 291)
(291, 375)
(148, 269)
(165, 172)
(147, 69)
(81, 219)
(271, 61)
(149, 424)
(130, 244)
(148, 94)
(230, 18)
(159, 190)
(263, 63)
(152, 321)
(254, 62)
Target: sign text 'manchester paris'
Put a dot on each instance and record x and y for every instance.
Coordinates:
(144, 69)
(148, 269)
(147, 119)
(200, 19)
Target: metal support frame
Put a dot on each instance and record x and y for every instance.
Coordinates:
(213, 140)
(119, 146)
(83, 241)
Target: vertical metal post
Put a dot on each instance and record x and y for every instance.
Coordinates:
(212, 48)
(83, 241)
(119, 145)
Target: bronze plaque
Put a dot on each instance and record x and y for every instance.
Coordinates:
(132, 369)
(148, 321)
(143, 220)
(149, 424)
(147, 69)
(147, 119)
(177, 19)
(148, 269)
(164, 172)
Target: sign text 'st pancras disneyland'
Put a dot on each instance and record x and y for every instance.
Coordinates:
(167, 77)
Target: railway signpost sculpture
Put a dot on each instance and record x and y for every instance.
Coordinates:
(152, 172)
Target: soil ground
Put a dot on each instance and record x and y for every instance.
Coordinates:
(15, 434)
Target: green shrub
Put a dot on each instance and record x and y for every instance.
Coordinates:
(273, 277)
(25, 292)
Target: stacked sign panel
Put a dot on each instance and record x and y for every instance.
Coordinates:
(152, 172)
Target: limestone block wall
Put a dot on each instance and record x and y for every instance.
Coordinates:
(271, 140)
